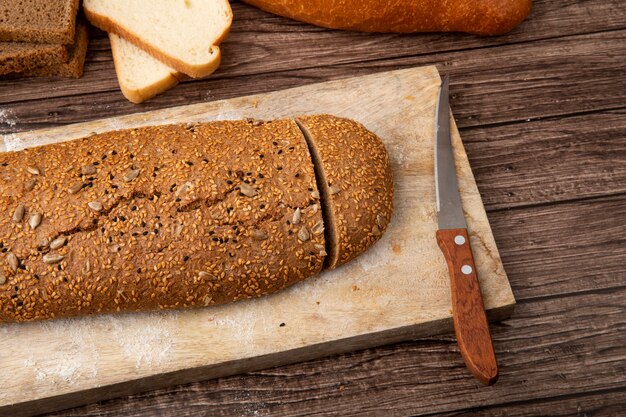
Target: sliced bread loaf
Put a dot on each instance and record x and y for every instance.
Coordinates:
(21, 56)
(186, 215)
(74, 67)
(183, 34)
(140, 75)
(42, 21)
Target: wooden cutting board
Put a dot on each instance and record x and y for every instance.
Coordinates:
(396, 291)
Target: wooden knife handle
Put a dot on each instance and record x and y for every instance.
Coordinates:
(468, 310)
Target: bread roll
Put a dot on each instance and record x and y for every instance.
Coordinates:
(185, 215)
(480, 17)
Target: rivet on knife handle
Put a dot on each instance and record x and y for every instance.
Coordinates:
(470, 320)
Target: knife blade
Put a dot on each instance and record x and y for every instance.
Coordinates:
(468, 311)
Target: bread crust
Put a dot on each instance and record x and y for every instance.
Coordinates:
(479, 17)
(194, 71)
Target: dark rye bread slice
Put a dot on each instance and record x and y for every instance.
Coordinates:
(21, 56)
(73, 68)
(176, 216)
(41, 21)
(355, 181)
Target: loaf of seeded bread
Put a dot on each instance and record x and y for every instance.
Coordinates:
(185, 215)
(481, 17)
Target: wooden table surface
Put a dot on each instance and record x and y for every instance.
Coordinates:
(542, 112)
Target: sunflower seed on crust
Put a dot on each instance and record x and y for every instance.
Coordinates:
(297, 216)
(12, 261)
(3, 279)
(131, 175)
(76, 187)
(318, 228)
(30, 184)
(52, 258)
(58, 242)
(315, 194)
(18, 214)
(33, 170)
(184, 188)
(258, 234)
(206, 275)
(312, 210)
(247, 189)
(34, 220)
(95, 206)
(321, 249)
(303, 234)
(88, 169)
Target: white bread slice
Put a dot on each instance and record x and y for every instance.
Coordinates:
(182, 34)
(140, 75)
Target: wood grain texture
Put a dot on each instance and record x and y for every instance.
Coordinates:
(549, 348)
(482, 80)
(554, 187)
(348, 308)
(260, 43)
(580, 156)
(468, 310)
(558, 249)
(609, 403)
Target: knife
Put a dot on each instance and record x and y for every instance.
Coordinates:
(468, 311)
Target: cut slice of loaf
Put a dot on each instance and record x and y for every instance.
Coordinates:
(183, 34)
(355, 182)
(140, 75)
(74, 67)
(41, 21)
